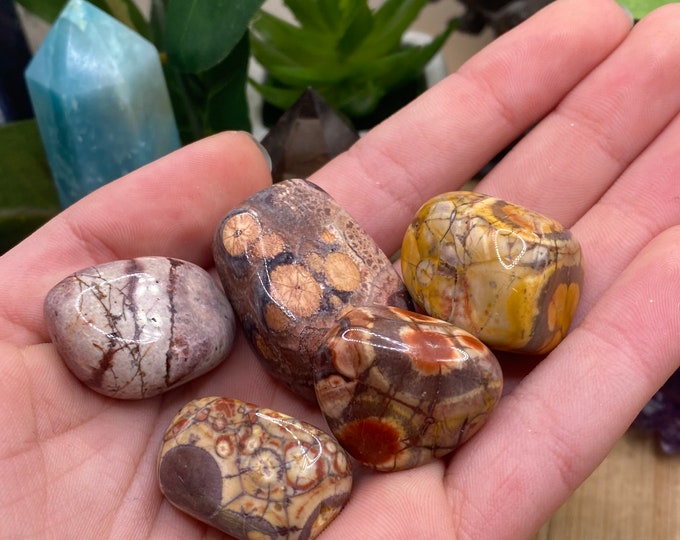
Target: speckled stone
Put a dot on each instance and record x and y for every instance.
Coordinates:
(135, 328)
(253, 472)
(508, 275)
(291, 260)
(399, 389)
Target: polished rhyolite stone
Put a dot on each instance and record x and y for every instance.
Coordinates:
(291, 260)
(135, 328)
(252, 472)
(508, 275)
(100, 99)
(399, 389)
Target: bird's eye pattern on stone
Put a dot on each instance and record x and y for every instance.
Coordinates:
(252, 472)
(291, 260)
(507, 275)
(400, 389)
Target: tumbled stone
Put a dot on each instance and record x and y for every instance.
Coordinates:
(291, 260)
(252, 472)
(508, 275)
(399, 389)
(135, 328)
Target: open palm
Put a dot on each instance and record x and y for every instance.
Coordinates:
(601, 158)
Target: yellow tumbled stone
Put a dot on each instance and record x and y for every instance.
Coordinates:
(508, 275)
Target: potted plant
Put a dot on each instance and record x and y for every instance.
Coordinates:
(361, 61)
(206, 78)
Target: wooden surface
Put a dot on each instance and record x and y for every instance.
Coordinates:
(633, 495)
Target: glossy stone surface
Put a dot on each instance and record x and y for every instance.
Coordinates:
(135, 328)
(291, 260)
(99, 96)
(508, 275)
(252, 472)
(399, 389)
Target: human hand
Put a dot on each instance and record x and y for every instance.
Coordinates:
(601, 160)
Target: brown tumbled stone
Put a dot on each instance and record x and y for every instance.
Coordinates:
(252, 472)
(399, 389)
(135, 328)
(291, 260)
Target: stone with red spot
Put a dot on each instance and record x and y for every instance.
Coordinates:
(252, 472)
(399, 389)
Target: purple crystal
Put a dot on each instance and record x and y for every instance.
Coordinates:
(661, 415)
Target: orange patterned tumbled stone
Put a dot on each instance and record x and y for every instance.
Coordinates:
(252, 472)
(290, 260)
(508, 275)
(399, 389)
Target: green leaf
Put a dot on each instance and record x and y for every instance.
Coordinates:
(28, 197)
(289, 43)
(308, 14)
(303, 76)
(349, 54)
(407, 63)
(361, 99)
(288, 71)
(201, 33)
(391, 21)
(126, 11)
(280, 97)
(213, 100)
(157, 23)
(640, 8)
(359, 25)
(187, 97)
(332, 13)
(226, 104)
(47, 10)
(372, 82)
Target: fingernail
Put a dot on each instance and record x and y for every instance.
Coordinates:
(262, 149)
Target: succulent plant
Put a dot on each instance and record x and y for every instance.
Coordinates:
(640, 8)
(350, 54)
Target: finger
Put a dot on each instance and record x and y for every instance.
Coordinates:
(644, 202)
(404, 504)
(570, 158)
(552, 431)
(440, 140)
(171, 207)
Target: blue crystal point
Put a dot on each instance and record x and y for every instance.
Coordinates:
(100, 98)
